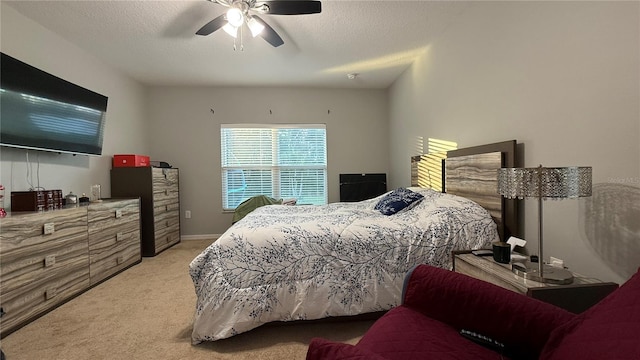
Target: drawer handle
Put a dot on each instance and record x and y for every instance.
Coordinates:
(119, 236)
(50, 294)
(49, 260)
(168, 224)
(167, 191)
(119, 260)
(49, 228)
(118, 213)
(166, 208)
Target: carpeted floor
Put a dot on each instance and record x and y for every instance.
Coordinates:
(146, 312)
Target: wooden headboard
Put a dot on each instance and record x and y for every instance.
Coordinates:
(473, 173)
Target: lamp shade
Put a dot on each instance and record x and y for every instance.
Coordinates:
(541, 182)
(231, 30)
(255, 27)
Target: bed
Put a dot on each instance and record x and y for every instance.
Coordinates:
(285, 263)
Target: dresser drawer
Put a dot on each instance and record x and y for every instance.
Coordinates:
(164, 179)
(34, 229)
(109, 257)
(165, 192)
(167, 236)
(167, 219)
(166, 205)
(113, 216)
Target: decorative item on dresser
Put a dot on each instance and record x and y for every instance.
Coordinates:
(159, 190)
(46, 258)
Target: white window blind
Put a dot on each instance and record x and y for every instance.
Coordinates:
(279, 161)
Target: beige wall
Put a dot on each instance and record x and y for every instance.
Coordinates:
(186, 134)
(31, 43)
(562, 78)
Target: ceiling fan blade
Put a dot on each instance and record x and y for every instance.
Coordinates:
(269, 34)
(212, 25)
(292, 7)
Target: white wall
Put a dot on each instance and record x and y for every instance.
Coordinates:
(561, 77)
(125, 128)
(186, 134)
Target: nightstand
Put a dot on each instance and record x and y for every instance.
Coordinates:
(576, 297)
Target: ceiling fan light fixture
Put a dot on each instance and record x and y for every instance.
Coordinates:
(255, 26)
(231, 30)
(240, 12)
(235, 17)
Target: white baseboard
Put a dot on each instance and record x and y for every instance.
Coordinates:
(200, 237)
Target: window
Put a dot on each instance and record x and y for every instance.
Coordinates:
(279, 161)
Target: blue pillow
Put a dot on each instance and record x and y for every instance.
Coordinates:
(398, 200)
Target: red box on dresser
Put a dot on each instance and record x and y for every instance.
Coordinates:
(130, 160)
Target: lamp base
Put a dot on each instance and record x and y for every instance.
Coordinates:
(550, 274)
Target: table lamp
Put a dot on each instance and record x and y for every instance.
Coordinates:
(544, 183)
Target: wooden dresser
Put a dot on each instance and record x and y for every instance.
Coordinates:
(159, 190)
(48, 257)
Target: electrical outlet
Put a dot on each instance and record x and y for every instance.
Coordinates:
(187, 214)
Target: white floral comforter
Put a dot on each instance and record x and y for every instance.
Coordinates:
(308, 262)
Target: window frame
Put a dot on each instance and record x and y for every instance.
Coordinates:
(275, 168)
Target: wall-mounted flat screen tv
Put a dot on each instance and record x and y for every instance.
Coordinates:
(44, 112)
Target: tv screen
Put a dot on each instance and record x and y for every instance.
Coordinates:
(41, 111)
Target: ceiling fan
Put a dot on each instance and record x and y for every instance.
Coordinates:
(243, 12)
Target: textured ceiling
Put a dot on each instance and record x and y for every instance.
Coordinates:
(154, 42)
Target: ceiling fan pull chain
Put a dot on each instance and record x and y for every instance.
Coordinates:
(241, 38)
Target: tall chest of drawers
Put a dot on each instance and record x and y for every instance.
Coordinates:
(158, 188)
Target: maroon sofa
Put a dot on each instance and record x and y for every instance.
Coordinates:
(438, 304)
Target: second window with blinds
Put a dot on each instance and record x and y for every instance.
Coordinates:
(279, 161)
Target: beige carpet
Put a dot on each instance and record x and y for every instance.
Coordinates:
(146, 312)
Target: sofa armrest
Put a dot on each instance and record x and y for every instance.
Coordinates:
(321, 349)
(467, 303)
